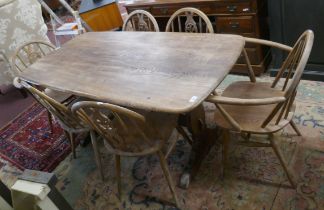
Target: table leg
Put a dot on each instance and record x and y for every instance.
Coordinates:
(203, 139)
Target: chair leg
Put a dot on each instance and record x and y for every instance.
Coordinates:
(282, 161)
(70, 136)
(184, 134)
(118, 174)
(168, 177)
(172, 144)
(225, 143)
(50, 121)
(294, 126)
(97, 154)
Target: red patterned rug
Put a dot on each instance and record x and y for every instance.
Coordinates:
(28, 143)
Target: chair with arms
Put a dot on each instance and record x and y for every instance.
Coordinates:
(189, 20)
(128, 133)
(251, 107)
(29, 53)
(70, 123)
(140, 20)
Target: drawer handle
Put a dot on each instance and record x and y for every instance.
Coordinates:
(164, 11)
(232, 8)
(234, 25)
(246, 9)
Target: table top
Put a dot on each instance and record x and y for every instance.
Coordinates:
(166, 72)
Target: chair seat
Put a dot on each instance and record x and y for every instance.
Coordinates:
(250, 118)
(57, 95)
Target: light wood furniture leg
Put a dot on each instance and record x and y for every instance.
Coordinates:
(70, 136)
(294, 126)
(184, 134)
(225, 144)
(282, 161)
(171, 147)
(97, 154)
(50, 121)
(118, 175)
(168, 177)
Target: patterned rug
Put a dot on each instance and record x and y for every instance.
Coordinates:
(28, 143)
(254, 177)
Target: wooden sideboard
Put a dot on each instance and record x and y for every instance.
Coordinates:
(244, 17)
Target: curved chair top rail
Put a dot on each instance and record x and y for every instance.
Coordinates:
(190, 25)
(298, 54)
(125, 132)
(30, 52)
(141, 20)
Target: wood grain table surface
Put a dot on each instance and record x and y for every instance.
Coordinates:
(166, 72)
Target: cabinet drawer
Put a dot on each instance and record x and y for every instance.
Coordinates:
(164, 10)
(131, 9)
(243, 24)
(234, 7)
(254, 55)
(169, 10)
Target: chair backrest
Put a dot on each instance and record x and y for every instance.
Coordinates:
(295, 63)
(67, 119)
(29, 53)
(124, 131)
(140, 20)
(189, 20)
(291, 71)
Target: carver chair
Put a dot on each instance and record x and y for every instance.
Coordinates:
(70, 123)
(251, 107)
(29, 53)
(189, 20)
(128, 133)
(140, 20)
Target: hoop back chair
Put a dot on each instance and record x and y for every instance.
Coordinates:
(29, 53)
(189, 20)
(128, 133)
(251, 107)
(71, 123)
(140, 20)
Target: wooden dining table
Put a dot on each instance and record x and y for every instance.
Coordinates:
(162, 72)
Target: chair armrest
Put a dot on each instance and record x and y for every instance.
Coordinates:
(244, 102)
(269, 43)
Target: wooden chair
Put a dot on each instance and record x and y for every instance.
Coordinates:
(128, 133)
(71, 123)
(251, 107)
(29, 53)
(140, 20)
(190, 20)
